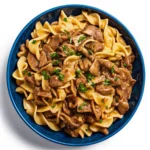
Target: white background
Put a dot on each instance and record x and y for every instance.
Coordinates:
(14, 15)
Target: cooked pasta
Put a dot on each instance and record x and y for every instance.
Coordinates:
(75, 74)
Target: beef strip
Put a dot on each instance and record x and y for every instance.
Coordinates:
(95, 32)
(95, 68)
(95, 46)
(104, 90)
(123, 107)
(43, 59)
(54, 42)
(33, 62)
(30, 80)
(55, 82)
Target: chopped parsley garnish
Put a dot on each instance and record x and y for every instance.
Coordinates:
(82, 38)
(54, 55)
(68, 51)
(100, 120)
(55, 62)
(82, 105)
(65, 19)
(80, 54)
(29, 74)
(34, 41)
(116, 98)
(112, 70)
(46, 75)
(106, 107)
(61, 77)
(66, 32)
(70, 39)
(78, 73)
(90, 52)
(89, 76)
(125, 65)
(116, 78)
(82, 88)
(53, 106)
(56, 71)
(25, 72)
(107, 82)
(93, 84)
(103, 101)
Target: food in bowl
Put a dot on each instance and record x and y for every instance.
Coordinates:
(75, 74)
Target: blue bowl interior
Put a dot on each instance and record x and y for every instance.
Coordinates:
(60, 137)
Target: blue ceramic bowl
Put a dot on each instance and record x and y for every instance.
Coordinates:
(60, 137)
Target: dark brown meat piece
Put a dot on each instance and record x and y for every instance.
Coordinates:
(47, 49)
(84, 107)
(95, 46)
(33, 62)
(95, 32)
(48, 114)
(55, 82)
(65, 108)
(44, 94)
(89, 119)
(95, 68)
(72, 133)
(123, 107)
(104, 90)
(43, 59)
(108, 64)
(72, 100)
(30, 80)
(54, 42)
(85, 64)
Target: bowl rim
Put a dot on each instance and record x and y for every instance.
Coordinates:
(83, 7)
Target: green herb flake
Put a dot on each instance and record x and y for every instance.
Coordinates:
(107, 82)
(106, 107)
(65, 19)
(54, 55)
(25, 72)
(93, 84)
(90, 52)
(53, 106)
(86, 129)
(45, 75)
(55, 62)
(112, 70)
(78, 73)
(125, 65)
(82, 105)
(103, 101)
(82, 88)
(116, 78)
(82, 38)
(65, 49)
(70, 39)
(29, 74)
(56, 71)
(116, 98)
(34, 41)
(66, 32)
(89, 76)
(100, 120)
(61, 77)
